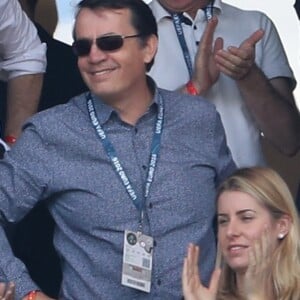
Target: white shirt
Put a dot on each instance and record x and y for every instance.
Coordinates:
(234, 26)
(21, 51)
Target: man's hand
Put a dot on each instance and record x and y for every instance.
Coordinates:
(206, 72)
(237, 62)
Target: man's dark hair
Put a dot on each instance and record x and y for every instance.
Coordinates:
(142, 18)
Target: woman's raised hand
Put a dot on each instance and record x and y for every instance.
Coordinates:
(257, 278)
(193, 289)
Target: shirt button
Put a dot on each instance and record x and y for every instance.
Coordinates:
(158, 282)
(154, 243)
(150, 205)
(144, 167)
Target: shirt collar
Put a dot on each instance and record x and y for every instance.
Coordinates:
(160, 12)
(103, 110)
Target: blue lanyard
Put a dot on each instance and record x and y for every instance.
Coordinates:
(110, 151)
(180, 35)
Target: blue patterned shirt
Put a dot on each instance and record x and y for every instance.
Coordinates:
(60, 155)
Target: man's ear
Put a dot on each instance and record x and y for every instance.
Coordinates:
(283, 226)
(150, 48)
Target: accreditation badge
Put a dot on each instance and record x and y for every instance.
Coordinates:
(137, 260)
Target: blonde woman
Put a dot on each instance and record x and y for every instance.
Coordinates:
(259, 242)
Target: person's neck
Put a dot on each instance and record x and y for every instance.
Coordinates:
(131, 106)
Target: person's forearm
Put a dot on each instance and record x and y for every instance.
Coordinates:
(273, 110)
(23, 96)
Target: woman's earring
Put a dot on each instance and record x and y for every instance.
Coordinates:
(280, 236)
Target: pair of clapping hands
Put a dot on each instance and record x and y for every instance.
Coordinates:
(256, 277)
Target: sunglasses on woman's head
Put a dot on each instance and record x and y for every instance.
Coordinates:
(82, 47)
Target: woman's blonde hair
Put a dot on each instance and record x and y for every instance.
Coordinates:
(270, 190)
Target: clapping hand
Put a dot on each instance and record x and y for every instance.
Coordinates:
(257, 278)
(193, 289)
(237, 62)
(211, 58)
(206, 72)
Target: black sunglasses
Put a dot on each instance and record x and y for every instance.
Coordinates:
(82, 47)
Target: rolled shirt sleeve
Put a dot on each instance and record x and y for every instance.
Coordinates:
(21, 51)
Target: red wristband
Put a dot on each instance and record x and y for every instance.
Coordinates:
(10, 139)
(31, 295)
(191, 89)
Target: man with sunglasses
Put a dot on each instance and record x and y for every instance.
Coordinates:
(131, 169)
(245, 73)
